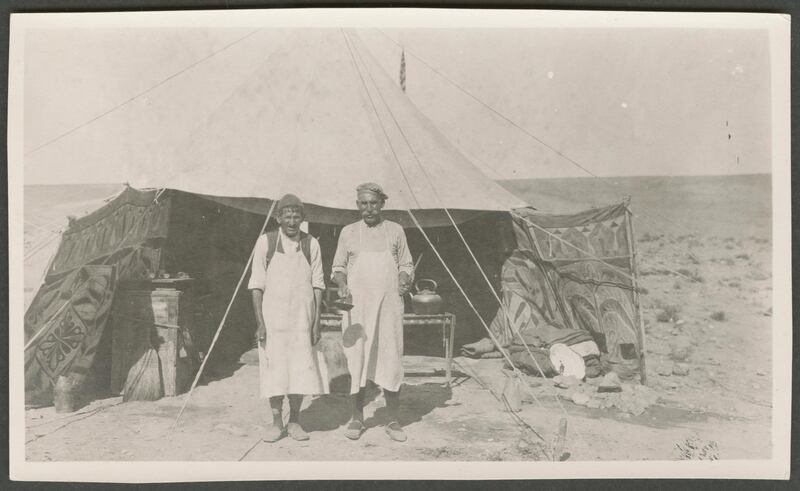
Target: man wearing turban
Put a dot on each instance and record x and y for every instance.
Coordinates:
(373, 266)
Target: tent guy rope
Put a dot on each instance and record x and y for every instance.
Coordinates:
(469, 249)
(526, 132)
(502, 306)
(425, 235)
(140, 94)
(458, 231)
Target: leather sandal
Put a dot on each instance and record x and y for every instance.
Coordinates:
(395, 432)
(354, 429)
(274, 433)
(297, 432)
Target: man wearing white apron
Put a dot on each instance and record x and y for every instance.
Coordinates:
(286, 283)
(373, 266)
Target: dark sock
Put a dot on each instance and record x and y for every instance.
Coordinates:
(358, 405)
(276, 405)
(392, 404)
(295, 402)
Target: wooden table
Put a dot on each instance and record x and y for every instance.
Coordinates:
(447, 322)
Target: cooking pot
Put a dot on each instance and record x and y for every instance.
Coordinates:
(426, 301)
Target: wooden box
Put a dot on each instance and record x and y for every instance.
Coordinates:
(156, 314)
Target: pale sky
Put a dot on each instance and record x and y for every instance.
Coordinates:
(618, 101)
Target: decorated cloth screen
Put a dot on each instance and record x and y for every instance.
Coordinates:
(577, 272)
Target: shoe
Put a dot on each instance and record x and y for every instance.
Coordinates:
(274, 433)
(395, 432)
(297, 432)
(354, 430)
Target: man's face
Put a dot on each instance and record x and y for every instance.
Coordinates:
(370, 206)
(290, 220)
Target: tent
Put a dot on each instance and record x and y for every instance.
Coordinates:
(316, 118)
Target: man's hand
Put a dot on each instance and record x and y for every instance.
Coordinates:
(341, 282)
(404, 283)
(261, 335)
(261, 330)
(315, 328)
(315, 336)
(317, 313)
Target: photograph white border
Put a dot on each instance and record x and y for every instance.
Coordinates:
(777, 467)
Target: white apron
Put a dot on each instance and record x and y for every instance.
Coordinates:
(289, 364)
(373, 336)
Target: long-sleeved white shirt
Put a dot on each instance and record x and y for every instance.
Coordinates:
(258, 272)
(357, 235)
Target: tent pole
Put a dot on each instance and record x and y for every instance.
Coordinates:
(636, 299)
(224, 317)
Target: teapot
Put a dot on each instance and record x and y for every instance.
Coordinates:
(426, 301)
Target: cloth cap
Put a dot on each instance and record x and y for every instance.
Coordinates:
(371, 187)
(290, 200)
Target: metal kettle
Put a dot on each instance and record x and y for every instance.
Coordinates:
(426, 301)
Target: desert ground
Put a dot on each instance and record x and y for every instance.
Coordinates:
(705, 260)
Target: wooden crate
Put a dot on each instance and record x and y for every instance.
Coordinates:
(148, 315)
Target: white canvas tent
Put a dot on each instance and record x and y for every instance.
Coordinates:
(312, 114)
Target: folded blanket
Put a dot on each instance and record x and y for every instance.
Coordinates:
(479, 348)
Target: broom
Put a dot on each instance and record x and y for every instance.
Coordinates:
(144, 379)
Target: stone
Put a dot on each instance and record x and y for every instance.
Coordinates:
(680, 348)
(636, 409)
(611, 379)
(565, 382)
(594, 403)
(664, 369)
(681, 369)
(761, 373)
(594, 381)
(580, 398)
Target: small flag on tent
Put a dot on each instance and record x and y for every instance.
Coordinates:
(403, 70)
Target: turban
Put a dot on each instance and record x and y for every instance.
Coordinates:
(371, 187)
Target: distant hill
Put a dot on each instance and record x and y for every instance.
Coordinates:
(706, 205)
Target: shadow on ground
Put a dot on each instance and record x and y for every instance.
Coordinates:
(332, 411)
(416, 401)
